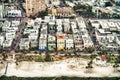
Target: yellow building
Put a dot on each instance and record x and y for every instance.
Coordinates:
(60, 42)
(54, 12)
(61, 11)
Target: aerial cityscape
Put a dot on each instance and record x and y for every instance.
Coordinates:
(59, 39)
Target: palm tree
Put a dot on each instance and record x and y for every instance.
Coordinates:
(47, 56)
(89, 67)
(115, 66)
(90, 49)
(5, 56)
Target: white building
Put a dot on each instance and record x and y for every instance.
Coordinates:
(78, 42)
(10, 36)
(69, 44)
(31, 31)
(1, 40)
(15, 23)
(24, 44)
(6, 25)
(7, 43)
(51, 43)
(87, 41)
(70, 3)
(14, 13)
(33, 43)
(118, 39)
(59, 28)
(43, 43)
(52, 2)
(95, 24)
(81, 23)
(66, 27)
(33, 36)
(59, 21)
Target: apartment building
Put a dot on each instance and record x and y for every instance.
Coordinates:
(6, 25)
(24, 44)
(52, 2)
(42, 43)
(60, 41)
(69, 44)
(51, 43)
(35, 6)
(14, 13)
(1, 40)
(7, 43)
(78, 42)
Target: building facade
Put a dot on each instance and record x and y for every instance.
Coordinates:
(34, 6)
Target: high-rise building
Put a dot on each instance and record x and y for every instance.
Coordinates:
(34, 6)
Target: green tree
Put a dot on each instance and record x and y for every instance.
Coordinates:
(39, 59)
(104, 15)
(42, 14)
(62, 28)
(116, 65)
(5, 56)
(71, 31)
(90, 49)
(47, 56)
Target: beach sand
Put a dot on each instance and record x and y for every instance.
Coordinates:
(70, 67)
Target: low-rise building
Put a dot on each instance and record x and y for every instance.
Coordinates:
(42, 43)
(51, 27)
(87, 41)
(51, 43)
(15, 23)
(10, 35)
(95, 24)
(59, 25)
(59, 28)
(14, 13)
(105, 39)
(1, 40)
(78, 42)
(66, 27)
(52, 2)
(60, 41)
(7, 43)
(33, 43)
(74, 26)
(6, 25)
(69, 45)
(62, 11)
(30, 31)
(33, 36)
(118, 39)
(44, 29)
(24, 44)
(81, 23)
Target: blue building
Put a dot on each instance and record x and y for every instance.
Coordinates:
(42, 44)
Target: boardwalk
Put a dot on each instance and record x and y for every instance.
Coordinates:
(6, 67)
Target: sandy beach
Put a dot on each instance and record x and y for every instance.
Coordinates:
(69, 67)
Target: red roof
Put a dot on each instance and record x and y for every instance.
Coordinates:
(103, 57)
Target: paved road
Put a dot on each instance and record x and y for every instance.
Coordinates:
(20, 27)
